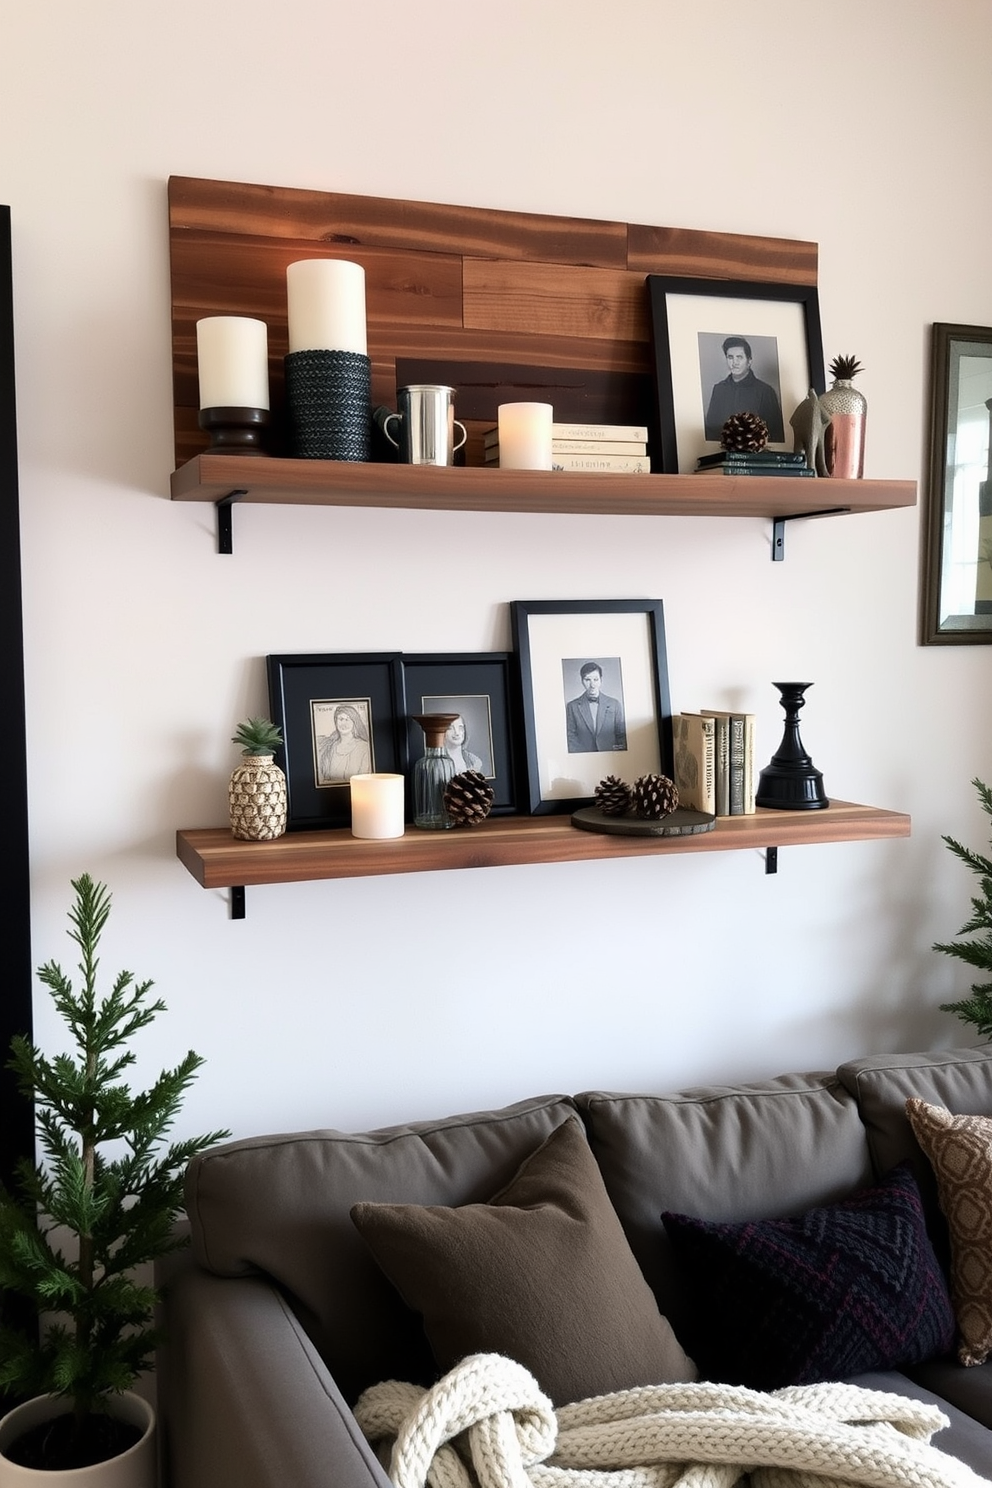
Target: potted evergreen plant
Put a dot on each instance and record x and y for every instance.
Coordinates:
(976, 1009)
(102, 1201)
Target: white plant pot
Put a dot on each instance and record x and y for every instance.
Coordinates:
(135, 1468)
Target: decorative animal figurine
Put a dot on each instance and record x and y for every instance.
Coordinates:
(809, 425)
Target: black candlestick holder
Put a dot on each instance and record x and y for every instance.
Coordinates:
(234, 431)
(791, 782)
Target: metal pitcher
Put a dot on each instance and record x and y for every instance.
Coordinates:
(427, 424)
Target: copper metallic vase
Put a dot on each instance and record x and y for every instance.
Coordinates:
(844, 440)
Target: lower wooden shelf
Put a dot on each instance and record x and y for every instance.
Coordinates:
(216, 860)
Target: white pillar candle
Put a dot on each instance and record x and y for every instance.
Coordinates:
(377, 805)
(326, 303)
(232, 358)
(525, 436)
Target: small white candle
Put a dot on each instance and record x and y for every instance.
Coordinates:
(377, 805)
(326, 304)
(525, 436)
(232, 358)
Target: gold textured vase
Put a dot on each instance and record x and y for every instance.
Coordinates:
(257, 797)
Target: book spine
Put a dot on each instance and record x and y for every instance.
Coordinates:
(722, 766)
(749, 777)
(746, 457)
(599, 446)
(694, 761)
(628, 432)
(630, 464)
(632, 447)
(793, 471)
(735, 764)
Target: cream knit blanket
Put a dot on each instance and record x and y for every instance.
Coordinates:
(487, 1423)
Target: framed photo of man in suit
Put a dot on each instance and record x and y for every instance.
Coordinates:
(594, 695)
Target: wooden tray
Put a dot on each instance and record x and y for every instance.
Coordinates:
(680, 823)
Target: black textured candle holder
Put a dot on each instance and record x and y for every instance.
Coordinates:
(329, 404)
(791, 782)
(235, 431)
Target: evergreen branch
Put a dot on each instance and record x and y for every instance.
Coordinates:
(99, 1328)
(976, 1009)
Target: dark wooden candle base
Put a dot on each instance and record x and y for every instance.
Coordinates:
(235, 431)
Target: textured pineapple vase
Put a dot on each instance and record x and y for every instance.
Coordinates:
(844, 437)
(257, 798)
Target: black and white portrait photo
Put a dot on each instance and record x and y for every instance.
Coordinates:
(740, 374)
(342, 739)
(469, 739)
(594, 712)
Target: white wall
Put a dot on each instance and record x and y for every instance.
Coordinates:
(863, 127)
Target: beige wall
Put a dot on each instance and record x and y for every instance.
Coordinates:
(864, 127)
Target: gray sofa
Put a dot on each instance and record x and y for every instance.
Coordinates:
(278, 1317)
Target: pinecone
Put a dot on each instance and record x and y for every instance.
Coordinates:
(468, 800)
(843, 368)
(744, 431)
(613, 796)
(655, 796)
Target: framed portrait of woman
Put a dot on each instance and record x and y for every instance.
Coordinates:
(478, 688)
(339, 716)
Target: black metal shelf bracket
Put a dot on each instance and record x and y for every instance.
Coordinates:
(225, 523)
(237, 901)
(771, 860)
(778, 527)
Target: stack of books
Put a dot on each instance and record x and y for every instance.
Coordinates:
(593, 447)
(714, 761)
(757, 462)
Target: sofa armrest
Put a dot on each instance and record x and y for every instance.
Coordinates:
(245, 1399)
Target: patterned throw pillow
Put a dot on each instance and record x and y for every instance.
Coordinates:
(959, 1149)
(838, 1290)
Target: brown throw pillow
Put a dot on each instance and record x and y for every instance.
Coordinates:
(542, 1273)
(959, 1149)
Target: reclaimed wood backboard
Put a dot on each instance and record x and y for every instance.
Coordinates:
(501, 305)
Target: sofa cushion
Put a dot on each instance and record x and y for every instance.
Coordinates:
(959, 1149)
(280, 1205)
(541, 1273)
(960, 1079)
(835, 1291)
(728, 1152)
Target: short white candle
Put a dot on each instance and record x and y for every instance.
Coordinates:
(232, 357)
(326, 304)
(377, 805)
(525, 436)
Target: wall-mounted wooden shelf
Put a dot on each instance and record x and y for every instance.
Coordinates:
(217, 861)
(471, 488)
(226, 479)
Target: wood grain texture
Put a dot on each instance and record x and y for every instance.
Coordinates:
(217, 861)
(444, 283)
(712, 255)
(336, 218)
(453, 488)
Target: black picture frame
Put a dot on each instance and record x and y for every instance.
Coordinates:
(482, 687)
(555, 640)
(956, 590)
(690, 319)
(305, 691)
